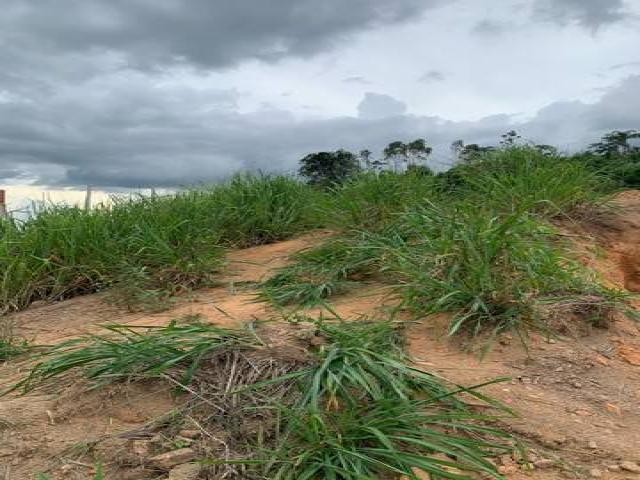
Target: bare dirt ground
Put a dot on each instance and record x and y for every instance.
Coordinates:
(578, 395)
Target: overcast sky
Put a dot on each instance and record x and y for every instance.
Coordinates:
(128, 93)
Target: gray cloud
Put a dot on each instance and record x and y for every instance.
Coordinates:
(432, 76)
(377, 105)
(489, 27)
(591, 14)
(359, 80)
(208, 33)
(168, 136)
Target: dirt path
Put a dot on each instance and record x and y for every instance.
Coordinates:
(578, 397)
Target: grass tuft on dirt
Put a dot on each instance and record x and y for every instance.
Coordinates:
(482, 248)
(127, 352)
(352, 407)
(150, 247)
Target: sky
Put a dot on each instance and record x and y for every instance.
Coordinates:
(162, 93)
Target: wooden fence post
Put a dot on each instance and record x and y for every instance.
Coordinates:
(87, 199)
(3, 204)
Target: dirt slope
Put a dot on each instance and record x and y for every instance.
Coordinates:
(578, 396)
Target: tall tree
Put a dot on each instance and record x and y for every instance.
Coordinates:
(396, 152)
(418, 151)
(616, 143)
(328, 168)
(509, 139)
(365, 159)
(407, 154)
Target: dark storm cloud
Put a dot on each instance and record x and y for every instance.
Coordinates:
(168, 137)
(208, 33)
(591, 14)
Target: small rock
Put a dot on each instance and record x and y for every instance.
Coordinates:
(595, 473)
(593, 445)
(507, 469)
(576, 384)
(630, 467)
(190, 433)
(544, 463)
(613, 468)
(170, 459)
(186, 471)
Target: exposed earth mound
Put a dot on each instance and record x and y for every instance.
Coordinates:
(577, 394)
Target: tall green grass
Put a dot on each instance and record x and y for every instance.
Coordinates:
(487, 269)
(126, 352)
(364, 412)
(372, 200)
(521, 178)
(161, 244)
(481, 248)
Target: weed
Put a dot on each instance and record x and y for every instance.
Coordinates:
(371, 200)
(519, 178)
(134, 351)
(384, 440)
(485, 267)
(331, 268)
(163, 245)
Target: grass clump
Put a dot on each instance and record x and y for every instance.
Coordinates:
(522, 178)
(364, 412)
(156, 246)
(134, 352)
(372, 200)
(320, 272)
(386, 440)
(486, 268)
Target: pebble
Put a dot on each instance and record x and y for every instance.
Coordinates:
(189, 433)
(632, 467)
(595, 473)
(593, 445)
(507, 469)
(613, 468)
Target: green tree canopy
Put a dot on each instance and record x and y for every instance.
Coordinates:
(328, 168)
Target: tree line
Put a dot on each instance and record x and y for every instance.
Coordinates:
(616, 154)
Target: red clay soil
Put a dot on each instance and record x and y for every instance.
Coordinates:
(578, 396)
